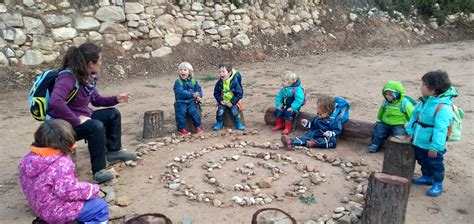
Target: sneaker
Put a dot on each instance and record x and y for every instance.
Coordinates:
(423, 180)
(183, 131)
(435, 190)
(218, 126)
(121, 155)
(103, 175)
(311, 144)
(286, 142)
(199, 130)
(373, 148)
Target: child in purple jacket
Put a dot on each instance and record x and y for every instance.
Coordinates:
(48, 179)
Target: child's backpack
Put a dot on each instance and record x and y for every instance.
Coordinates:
(455, 128)
(305, 99)
(41, 92)
(341, 111)
(406, 100)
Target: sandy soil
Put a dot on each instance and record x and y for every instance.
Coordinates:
(356, 75)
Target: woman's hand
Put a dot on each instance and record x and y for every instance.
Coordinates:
(124, 97)
(83, 119)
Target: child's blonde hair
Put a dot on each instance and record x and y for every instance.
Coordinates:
(57, 134)
(327, 103)
(289, 76)
(186, 65)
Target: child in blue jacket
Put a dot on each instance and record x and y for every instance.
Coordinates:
(188, 94)
(323, 130)
(288, 102)
(228, 92)
(429, 132)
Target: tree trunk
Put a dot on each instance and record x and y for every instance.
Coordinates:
(353, 129)
(229, 121)
(386, 199)
(153, 124)
(399, 158)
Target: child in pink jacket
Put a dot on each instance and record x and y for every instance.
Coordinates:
(48, 179)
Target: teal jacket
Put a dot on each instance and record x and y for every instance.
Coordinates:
(286, 95)
(429, 132)
(396, 112)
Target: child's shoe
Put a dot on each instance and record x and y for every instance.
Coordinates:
(373, 148)
(239, 125)
(278, 125)
(102, 176)
(311, 144)
(435, 190)
(218, 126)
(199, 130)
(287, 129)
(424, 180)
(121, 155)
(286, 142)
(183, 131)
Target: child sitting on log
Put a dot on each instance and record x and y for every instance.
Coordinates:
(228, 92)
(323, 130)
(288, 102)
(188, 94)
(395, 111)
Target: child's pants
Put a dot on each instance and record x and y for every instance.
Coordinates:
(321, 142)
(234, 110)
(382, 131)
(102, 131)
(94, 211)
(182, 109)
(283, 113)
(432, 167)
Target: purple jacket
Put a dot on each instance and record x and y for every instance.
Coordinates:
(51, 187)
(79, 105)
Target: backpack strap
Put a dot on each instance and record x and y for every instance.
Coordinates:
(76, 86)
(193, 81)
(450, 127)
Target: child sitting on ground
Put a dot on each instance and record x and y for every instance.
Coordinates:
(289, 100)
(395, 111)
(323, 130)
(188, 94)
(48, 179)
(428, 128)
(228, 92)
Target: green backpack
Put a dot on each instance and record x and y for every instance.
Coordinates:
(455, 128)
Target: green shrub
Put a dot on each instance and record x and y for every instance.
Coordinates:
(427, 8)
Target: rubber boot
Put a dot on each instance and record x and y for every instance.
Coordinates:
(435, 190)
(373, 148)
(218, 126)
(287, 127)
(239, 125)
(424, 180)
(278, 125)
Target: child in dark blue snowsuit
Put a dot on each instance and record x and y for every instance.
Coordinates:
(188, 93)
(323, 130)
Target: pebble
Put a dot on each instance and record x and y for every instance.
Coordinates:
(216, 202)
(236, 157)
(123, 201)
(339, 209)
(344, 200)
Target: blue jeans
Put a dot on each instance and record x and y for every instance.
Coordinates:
(234, 110)
(184, 109)
(382, 131)
(283, 113)
(94, 211)
(321, 142)
(430, 166)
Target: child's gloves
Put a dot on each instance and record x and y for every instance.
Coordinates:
(328, 134)
(304, 122)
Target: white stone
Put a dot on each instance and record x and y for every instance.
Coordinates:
(33, 26)
(134, 8)
(112, 28)
(12, 19)
(64, 4)
(242, 40)
(339, 209)
(9, 53)
(28, 3)
(161, 52)
(110, 14)
(54, 21)
(86, 23)
(296, 28)
(3, 8)
(173, 39)
(352, 16)
(63, 33)
(186, 24)
(132, 17)
(224, 30)
(145, 55)
(43, 42)
(19, 36)
(190, 33)
(218, 15)
(155, 33)
(196, 6)
(165, 21)
(95, 36)
(4, 60)
(48, 58)
(208, 24)
(127, 45)
(32, 58)
(239, 11)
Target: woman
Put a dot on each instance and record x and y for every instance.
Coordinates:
(101, 128)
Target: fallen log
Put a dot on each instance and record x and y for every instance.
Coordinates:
(352, 128)
(386, 199)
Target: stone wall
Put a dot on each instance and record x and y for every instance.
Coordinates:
(33, 32)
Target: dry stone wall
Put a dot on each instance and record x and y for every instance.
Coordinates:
(33, 32)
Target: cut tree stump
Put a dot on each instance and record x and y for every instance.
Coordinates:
(272, 216)
(189, 121)
(386, 199)
(353, 129)
(150, 218)
(399, 158)
(153, 124)
(229, 121)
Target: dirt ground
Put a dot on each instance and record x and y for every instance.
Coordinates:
(357, 75)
